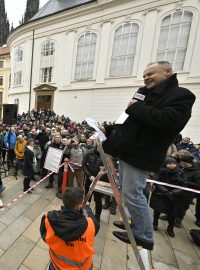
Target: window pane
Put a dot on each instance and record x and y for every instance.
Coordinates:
(176, 18)
(47, 61)
(160, 56)
(124, 49)
(174, 34)
(85, 56)
(127, 28)
(173, 37)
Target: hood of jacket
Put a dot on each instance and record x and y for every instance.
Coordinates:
(67, 224)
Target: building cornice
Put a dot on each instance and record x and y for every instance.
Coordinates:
(89, 9)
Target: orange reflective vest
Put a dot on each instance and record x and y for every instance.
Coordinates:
(76, 255)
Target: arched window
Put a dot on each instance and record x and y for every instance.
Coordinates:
(85, 56)
(47, 62)
(18, 62)
(124, 49)
(173, 40)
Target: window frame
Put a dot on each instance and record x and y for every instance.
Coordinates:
(1, 64)
(82, 61)
(1, 80)
(135, 54)
(46, 57)
(18, 66)
(191, 37)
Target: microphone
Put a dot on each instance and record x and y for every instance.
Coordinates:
(139, 97)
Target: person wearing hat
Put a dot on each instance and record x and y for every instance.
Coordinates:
(166, 199)
(192, 179)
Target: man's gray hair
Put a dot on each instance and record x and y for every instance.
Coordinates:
(161, 63)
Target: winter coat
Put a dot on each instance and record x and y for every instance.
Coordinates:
(165, 199)
(28, 162)
(10, 140)
(91, 163)
(192, 177)
(186, 146)
(68, 225)
(76, 154)
(19, 149)
(144, 138)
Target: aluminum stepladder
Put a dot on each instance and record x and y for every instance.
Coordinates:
(143, 259)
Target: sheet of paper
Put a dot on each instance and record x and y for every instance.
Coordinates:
(53, 159)
(91, 122)
(121, 119)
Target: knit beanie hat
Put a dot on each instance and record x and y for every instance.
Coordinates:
(188, 159)
(169, 160)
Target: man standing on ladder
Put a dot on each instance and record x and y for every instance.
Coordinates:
(155, 116)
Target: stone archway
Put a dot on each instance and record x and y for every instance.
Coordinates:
(44, 97)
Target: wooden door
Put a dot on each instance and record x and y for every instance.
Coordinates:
(44, 102)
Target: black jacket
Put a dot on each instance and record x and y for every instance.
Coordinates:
(166, 199)
(91, 163)
(192, 177)
(143, 139)
(67, 224)
(28, 162)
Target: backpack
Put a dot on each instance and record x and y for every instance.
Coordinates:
(195, 234)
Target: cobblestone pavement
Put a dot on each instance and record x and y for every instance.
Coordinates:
(21, 246)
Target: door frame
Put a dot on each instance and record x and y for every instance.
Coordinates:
(44, 90)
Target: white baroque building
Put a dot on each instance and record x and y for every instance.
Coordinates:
(86, 58)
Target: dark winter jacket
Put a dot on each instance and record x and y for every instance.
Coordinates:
(68, 225)
(192, 177)
(186, 146)
(91, 163)
(143, 139)
(164, 198)
(28, 162)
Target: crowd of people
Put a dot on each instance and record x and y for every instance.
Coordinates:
(24, 147)
(156, 114)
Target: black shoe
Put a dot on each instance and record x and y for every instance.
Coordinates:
(178, 223)
(123, 236)
(170, 232)
(105, 206)
(197, 223)
(28, 192)
(49, 185)
(119, 224)
(59, 195)
(164, 217)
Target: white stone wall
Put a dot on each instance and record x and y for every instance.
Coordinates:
(103, 97)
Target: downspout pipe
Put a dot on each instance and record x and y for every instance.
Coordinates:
(31, 73)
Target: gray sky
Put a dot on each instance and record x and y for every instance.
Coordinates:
(15, 9)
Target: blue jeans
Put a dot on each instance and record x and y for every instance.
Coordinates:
(133, 182)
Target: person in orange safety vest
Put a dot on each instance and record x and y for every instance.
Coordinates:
(69, 233)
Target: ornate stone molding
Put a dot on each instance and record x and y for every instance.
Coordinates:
(44, 88)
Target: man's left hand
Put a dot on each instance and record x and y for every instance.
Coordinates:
(133, 101)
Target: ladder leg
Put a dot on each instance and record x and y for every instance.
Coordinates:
(142, 256)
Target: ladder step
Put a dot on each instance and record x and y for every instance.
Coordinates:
(104, 188)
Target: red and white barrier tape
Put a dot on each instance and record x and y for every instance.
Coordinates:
(78, 165)
(174, 186)
(31, 188)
